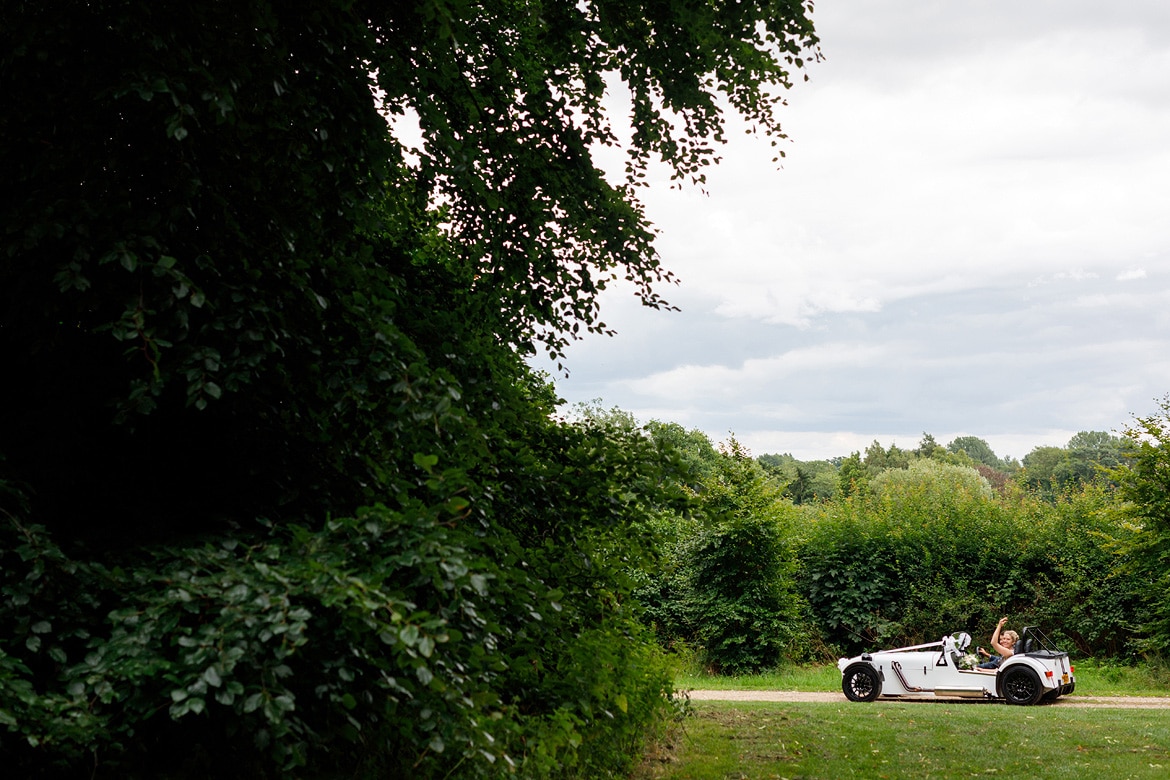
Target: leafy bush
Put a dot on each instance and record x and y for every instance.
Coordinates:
(1086, 589)
(1145, 487)
(725, 583)
(741, 596)
(391, 642)
(932, 549)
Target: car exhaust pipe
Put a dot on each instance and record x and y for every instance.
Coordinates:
(897, 667)
(962, 693)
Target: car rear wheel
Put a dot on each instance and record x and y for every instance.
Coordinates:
(1021, 685)
(861, 683)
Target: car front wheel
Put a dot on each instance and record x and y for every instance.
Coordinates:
(861, 683)
(1021, 685)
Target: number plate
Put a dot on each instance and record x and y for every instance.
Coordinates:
(1064, 679)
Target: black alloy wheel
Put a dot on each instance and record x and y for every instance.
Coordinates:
(861, 683)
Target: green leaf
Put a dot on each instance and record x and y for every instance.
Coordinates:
(211, 676)
(425, 462)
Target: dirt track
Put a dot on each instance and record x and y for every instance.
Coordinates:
(1075, 700)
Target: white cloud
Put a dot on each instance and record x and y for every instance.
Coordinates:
(969, 193)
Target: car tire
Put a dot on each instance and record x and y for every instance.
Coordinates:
(1021, 685)
(861, 682)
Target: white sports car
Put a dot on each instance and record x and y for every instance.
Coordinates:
(1036, 671)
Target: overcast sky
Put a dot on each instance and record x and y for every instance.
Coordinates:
(970, 236)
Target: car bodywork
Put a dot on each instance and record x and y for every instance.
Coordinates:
(1037, 671)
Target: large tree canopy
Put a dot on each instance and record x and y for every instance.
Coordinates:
(204, 209)
(273, 469)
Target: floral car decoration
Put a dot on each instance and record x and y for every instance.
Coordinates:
(1037, 671)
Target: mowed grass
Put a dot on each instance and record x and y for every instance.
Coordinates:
(790, 678)
(911, 740)
(1093, 679)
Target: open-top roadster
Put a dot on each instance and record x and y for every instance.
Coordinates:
(1036, 671)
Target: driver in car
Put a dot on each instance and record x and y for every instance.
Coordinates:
(1003, 642)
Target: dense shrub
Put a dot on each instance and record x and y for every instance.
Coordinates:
(1087, 589)
(1145, 488)
(741, 598)
(399, 640)
(932, 549)
(725, 583)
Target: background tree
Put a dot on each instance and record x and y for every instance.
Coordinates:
(1042, 470)
(1145, 485)
(977, 449)
(1089, 457)
(815, 480)
(853, 475)
(1091, 454)
(878, 459)
(927, 446)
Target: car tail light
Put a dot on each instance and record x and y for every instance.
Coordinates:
(1071, 668)
(1048, 674)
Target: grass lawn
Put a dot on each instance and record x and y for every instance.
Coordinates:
(911, 740)
(790, 678)
(1093, 679)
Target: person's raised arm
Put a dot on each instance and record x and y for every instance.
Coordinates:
(1003, 651)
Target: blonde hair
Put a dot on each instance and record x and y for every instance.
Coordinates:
(1009, 634)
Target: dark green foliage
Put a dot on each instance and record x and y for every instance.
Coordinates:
(1145, 486)
(741, 596)
(234, 310)
(726, 583)
(398, 640)
(1086, 588)
(933, 550)
(206, 212)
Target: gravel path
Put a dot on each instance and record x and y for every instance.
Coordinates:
(1075, 700)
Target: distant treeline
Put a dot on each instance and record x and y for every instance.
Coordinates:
(786, 561)
(1046, 470)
